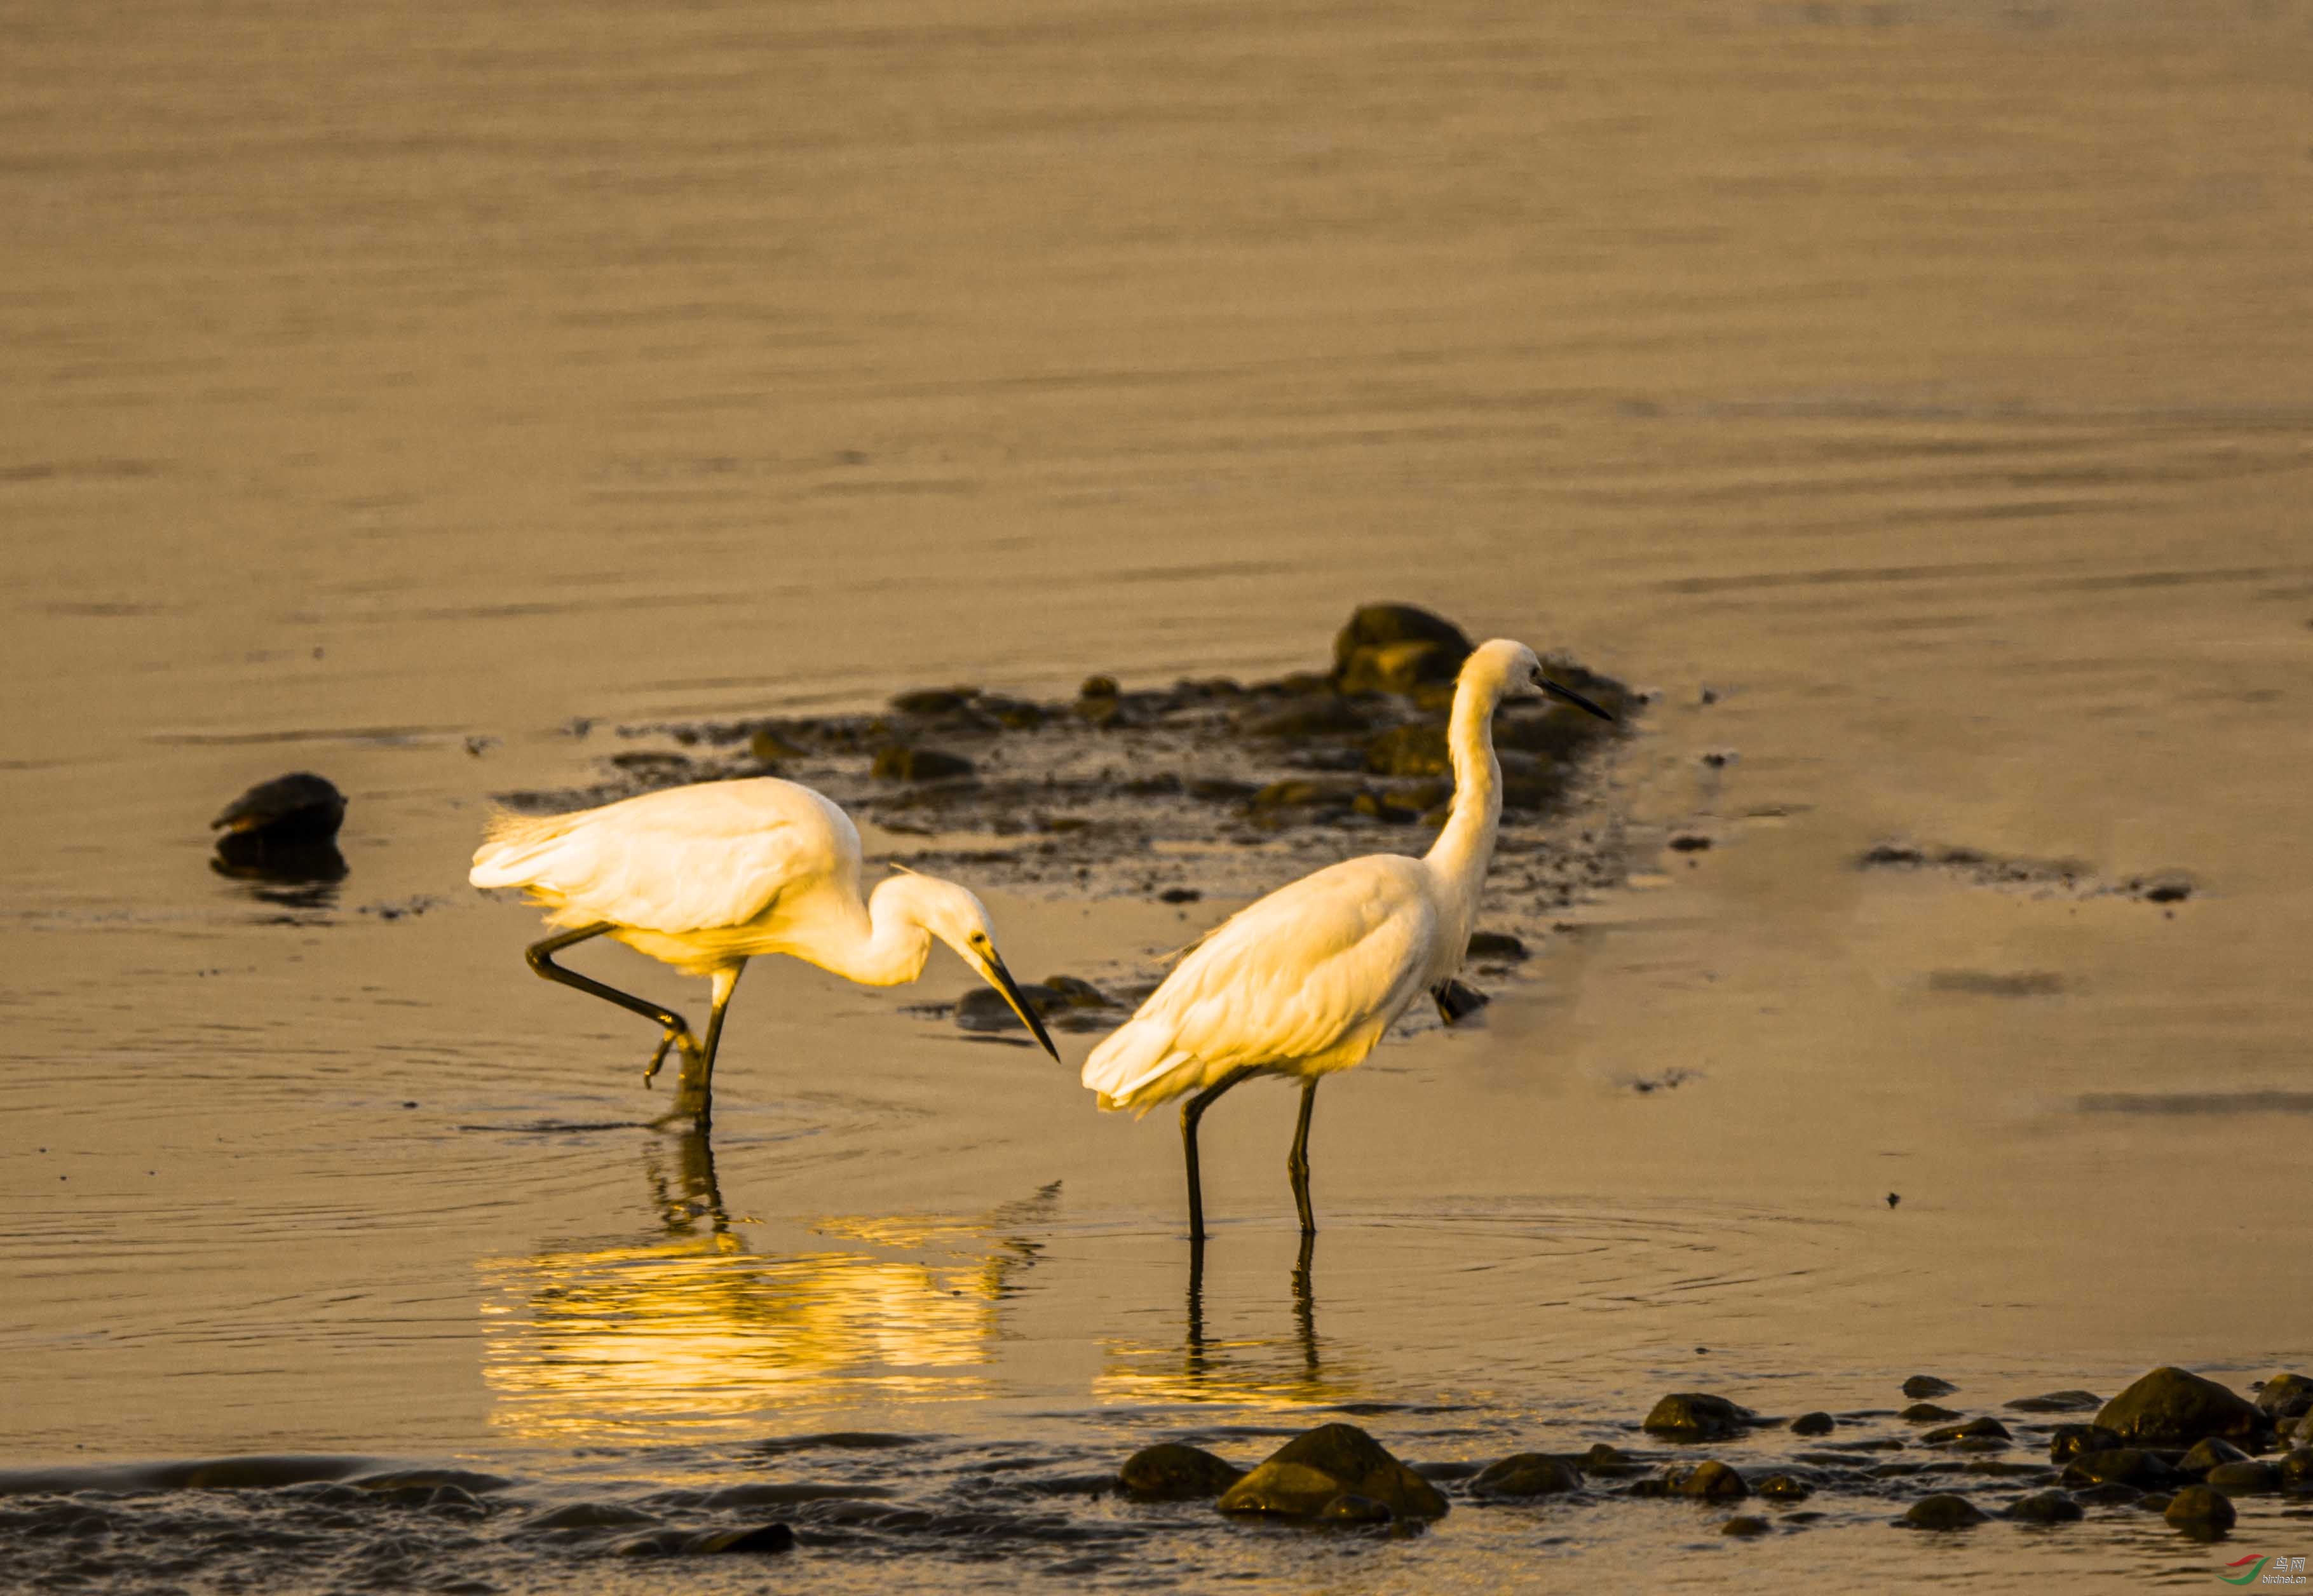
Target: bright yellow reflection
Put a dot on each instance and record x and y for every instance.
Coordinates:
(1283, 1370)
(693, 1330)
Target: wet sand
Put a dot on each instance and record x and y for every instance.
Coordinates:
(392, 394)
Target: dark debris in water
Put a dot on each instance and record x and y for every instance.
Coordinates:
(2036, 878)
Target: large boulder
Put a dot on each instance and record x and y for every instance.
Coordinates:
(1396, 648)
(1301, 1478)
(2172, 1407)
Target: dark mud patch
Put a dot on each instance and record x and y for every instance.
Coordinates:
(2037, 878)
(1205, 788)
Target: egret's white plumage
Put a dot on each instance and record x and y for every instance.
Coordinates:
(708, 876)
(1309, 980)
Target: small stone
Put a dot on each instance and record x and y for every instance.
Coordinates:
(758, 1538)
(1928, 1385)
(1499, 946)
(2244, 1478)
(1927, 1413)
(1689, 842)
(1171, 1471)
(1692, 1416)
(1814, 1424)
(2172, 1407)
(2067, 1442)
(1974, 1429)
(934, 700)
(2046, 1507)
(901, 763)
(2286, 1396)
(1943, 1512)
(2200, 1510)
(1782, 1487)
(1745, 1527)
(1527, 1474)
(1311, 718)
(1304, 793)
(1713, 1481)
(1607, 1462)
(2207, 1453)
(1282, 1490)
(1178, 895)
(1098, 687)
(2123, 1465)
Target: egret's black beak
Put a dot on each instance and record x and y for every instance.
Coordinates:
(1001, 979)
(1571, 696)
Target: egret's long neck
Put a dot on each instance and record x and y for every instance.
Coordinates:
(1465, 847)
(878, 944)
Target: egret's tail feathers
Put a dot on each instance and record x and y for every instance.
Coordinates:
(512, 847)
(1136, 1066)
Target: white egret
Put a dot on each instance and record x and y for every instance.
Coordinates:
(705, 877)
(1307, 980)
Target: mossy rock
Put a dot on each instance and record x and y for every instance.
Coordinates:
(1783, 1487)
(2058, 1402)
(1814, 1424)
(1713, 1481)
(1943, 1511)
(934, 700)
(2171, 1407)
(1607, 1462)
(1527, 1474)
(2208, 1453)
(1746, 1526)
(1974, 1429)
(1694, 1416)
(1301, 792)
(2200, 1510)
(1309, 1471)
(1497, 946)
(2296, 1470)
(2247, 1477)
(1394, 648)
(1171, 1471)
(2286, 1396)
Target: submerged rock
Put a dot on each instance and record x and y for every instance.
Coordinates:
(1746, 1526)
(1974, 1429)
(1928, 1385)
(2046, 1507)
(1943, 1512)
(1694, 1416)
(1784, 1487)
(1171, 1471)
(1499, 946)
(2198, 1510)
(2067, 1442)
(2172, 1407)
(1927, 1413)
(1712, 1481)
(758, 1538)
(2058, 1402)
(1304, 1476)
(1527, 1474)
(1607, 1462)
(2296, 1469)
(2121, 1465)
(2111, 1494)
(2247, 1476)
(1814, 1424)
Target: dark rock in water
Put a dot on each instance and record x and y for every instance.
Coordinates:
(1927, 1413)
(934, 700)
(771, 747)
(1746, 1526)
(1304, 793)
(294, 809)
(2172, 1408)
(1457, 1001)
(1712, 1481)
(2044, 1507)
(901, 763)
(1928, 1385)
(1974, 1429)
(1173, 1472)
(1392, 809)
(1814, 1424)
(2296, 1469)
(1690, 842)
(1394, 648)
(1783, 1487)
(1607, 1462)
(1178, 895)
(2200, 1510)
(2067, 1442)
(2286, 1396)
(1415, 750)
(1307, 1472)
(2111, 1494)
(2058, 1402)
(983, 1008)
(1349, 1508)
(2121, 1465)
(2208, 1454)
(1499, 946)
(2244, 1478)
(1692, 1416)
(759, 1538)
(1527, 1474)
(1312, 717)
(1943, 1512)
(1076, 994)
(1014, 714)
(1098, 687)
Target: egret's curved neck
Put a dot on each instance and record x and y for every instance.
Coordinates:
(1465, 847)
(879, 945)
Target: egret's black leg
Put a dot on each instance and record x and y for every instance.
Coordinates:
(694, 1088)
(1297, 1162)
(1196, 1343)
(1190, 1112)
(542, 959)
(1305, 1301)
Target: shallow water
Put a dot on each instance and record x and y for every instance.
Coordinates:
(419, 394)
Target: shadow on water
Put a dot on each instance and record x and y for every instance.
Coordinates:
(688, 1328)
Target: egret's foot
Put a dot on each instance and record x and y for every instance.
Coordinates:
(672, 1039)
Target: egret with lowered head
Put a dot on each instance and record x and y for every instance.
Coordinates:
(706, 877)
(1307, 980)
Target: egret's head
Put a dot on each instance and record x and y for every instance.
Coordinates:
(961, 921)
(1514, 665)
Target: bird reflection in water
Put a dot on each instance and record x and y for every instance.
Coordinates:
(689, 1330)
(1257, 1369)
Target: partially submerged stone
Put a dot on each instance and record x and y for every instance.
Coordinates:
(2067, 1442)
(1171, 1471)
(1974, 1429)
(1928, 1385)
(2123, 1465)
(1943, 1512)
(1745, 1526)
(2286, 1396)
(1927, 1413)
(1302, 1477)
(2208, 1454)
(1814, 1424)
(1696, 1415)
(2171, 1407)
(2247, 1477)
(2200, 1510)
(2046, 1507)
(1527, 1474)
(2071, 1401)
(756, 1537)
(1783, 1487)
(1712, 1480)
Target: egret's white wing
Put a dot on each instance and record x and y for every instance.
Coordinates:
(1322, 961)
(682, 860)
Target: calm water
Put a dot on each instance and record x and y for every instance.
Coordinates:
(391, 392)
